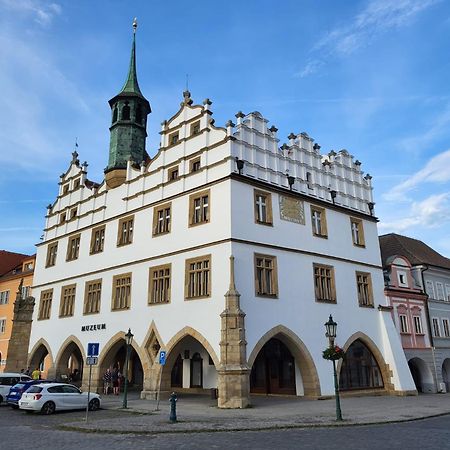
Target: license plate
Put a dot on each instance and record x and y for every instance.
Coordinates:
(24, 403)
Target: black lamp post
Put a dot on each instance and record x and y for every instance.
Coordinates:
(129, 340)
(331, 327)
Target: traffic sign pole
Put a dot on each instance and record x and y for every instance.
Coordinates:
(89, 392)
(162, 361)
(92, 359)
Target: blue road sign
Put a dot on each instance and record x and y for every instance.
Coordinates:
(162, 357)
(93, 348)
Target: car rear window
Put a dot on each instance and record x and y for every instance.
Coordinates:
(18, 386)
(34, 390)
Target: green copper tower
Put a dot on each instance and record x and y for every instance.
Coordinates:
(129, 111)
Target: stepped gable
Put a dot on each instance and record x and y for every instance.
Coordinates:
(9, 260)
(416, 251)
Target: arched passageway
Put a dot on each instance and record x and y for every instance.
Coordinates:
(41, 359)
(69, 364)
(446, 373)
(422, 376)
(359, 369)
(189, 367)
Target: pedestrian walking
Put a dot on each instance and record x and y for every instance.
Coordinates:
(107, 381)
(36, 375)
(115, 380)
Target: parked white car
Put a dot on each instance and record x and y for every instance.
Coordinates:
(51, 397)
(8, 380)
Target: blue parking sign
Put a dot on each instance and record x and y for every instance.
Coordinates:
(162, 357)
(93, 348)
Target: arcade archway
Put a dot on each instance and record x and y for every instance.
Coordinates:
(422, 376)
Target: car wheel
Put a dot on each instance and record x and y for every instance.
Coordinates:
(94, 404)
(48, 408)
(1, 399)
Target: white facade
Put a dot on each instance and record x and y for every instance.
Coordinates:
(231, 229)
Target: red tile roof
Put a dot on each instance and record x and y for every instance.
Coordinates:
(414, 250)
(9, 260)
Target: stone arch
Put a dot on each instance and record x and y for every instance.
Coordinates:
(446, 373)
(301, 354)
(41, 351)
(386, 372)
(165, 371)
(422, 375)
(106, 357)
(152, 343)
(69, 346)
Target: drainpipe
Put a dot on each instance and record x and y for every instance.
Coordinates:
(430, 334)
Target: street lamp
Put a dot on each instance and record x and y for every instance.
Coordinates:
(129, 340)
(331, 327)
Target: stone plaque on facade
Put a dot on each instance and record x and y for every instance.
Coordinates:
(292, 210)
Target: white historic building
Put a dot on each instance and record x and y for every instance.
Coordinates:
(225, 250)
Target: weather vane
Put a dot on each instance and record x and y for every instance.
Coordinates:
(134, 25)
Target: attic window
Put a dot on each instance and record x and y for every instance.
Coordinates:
(195, 128)
(174, 138)
(65, 189)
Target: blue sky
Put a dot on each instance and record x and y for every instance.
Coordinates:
(370, 76)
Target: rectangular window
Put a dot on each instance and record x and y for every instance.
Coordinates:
(324, 284)
(263, 207)
(174, 138)
(418, 325)
(25, 291)
(73, 247)
(447, 292)
(173, 173)
(121, 292)
(98, 239)
(445, 327)
(52, 250)
(436, 329)
(364, 284)
(309, 181)
(73, 213)
(319, 221)
(161, 219)
(357, 232)
(429, 288)
(2, 325)
(159, 285)
(194, 165)
(65, 189)
(67, 300)
(45, 305)
(266, 277)
(76, 183)
(62, 218)
(403, 323)
(199, 208)
(92, 296)
(125, 233)
(440, 291)
(4, 297)
(195, 128)
(198, 277)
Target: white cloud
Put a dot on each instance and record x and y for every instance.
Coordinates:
(432, 212)
(378, 17)
(42, 12)
(435, 171)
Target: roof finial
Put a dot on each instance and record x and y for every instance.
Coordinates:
(134, 25)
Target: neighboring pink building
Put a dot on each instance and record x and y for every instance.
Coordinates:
(409, 312)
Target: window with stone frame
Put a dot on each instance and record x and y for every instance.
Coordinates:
(440, 291)
(199, 208)
(263, 207)
(73, 247)
(319, 221)
(445, 327)
(121, 292)
(173, 173)
(436, 328)
(174, 138)
(429, 289)
(266, 276)
(45, 304)
(73, 213)
(92, 296)
(2, 325)
(67, 300)
(159, 284)
(364, 286)
(98, 240)
(76, 183)
(4, 297)
(62, 218)
(65, 189)
(162, 219)
(195, 128)
(125, 231)
(324, 283)
(357, 230)
(403, 323)
(194, 165)
(198, 277)
(52, 251)
(418, 325)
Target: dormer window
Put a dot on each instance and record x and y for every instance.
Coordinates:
(174, 138)
(126, 112)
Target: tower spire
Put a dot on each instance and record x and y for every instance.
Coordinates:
(131, 84)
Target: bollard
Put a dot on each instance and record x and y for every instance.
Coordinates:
(173, 407)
